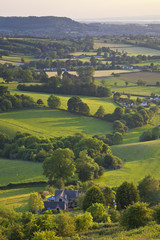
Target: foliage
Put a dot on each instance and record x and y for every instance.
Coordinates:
(114, 214)
(136, 215)
(65, 225)
(35, 203)
(100, 112)
(45, 235)
(117, 138)
(109, 196)
(97, 210)
(93, 195)
(83, 222)
(149, 189)
(126, 194)
(75, 105)
(53, 101)
(60, 164)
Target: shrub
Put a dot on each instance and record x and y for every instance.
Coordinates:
(65, 225)
(84, 221)
(156, 214)
(53, 101)
(136, 215)
(97, 210)
(114, 214)
(105, 218)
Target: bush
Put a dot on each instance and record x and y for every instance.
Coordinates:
(156, 214)
(105, 218)
(83, 222)
(97, 210)
(53, 101)
(93, 195)
(136, 215)
(114, 215)
(65, 225)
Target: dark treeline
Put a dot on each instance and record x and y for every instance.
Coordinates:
(83, 84)
(8, 101)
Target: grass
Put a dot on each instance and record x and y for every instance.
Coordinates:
(17, 198)
(50, 123)
(16, 58)
(130, 49)
(16, 171)
(141, 159)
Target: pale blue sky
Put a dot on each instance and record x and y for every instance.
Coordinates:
(78, 9)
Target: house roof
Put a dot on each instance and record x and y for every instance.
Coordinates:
(70, 193)
(54, 205)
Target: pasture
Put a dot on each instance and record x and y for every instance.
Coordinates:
(141, 159)
(17, 198)
(15, 171)
(130, 49)
(51, 123)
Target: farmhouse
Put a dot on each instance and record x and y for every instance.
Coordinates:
(63, 200)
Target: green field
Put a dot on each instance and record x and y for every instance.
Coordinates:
(50, 123)
(141, 159)
(16, 58)
(17, 198)
(130, 49)
(16, 171)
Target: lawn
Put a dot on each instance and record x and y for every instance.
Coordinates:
(16, 171)
(50, 123)
(141, 159)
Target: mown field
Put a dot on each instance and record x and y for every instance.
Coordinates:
(141, 159)
(50, 123)
(130, 49)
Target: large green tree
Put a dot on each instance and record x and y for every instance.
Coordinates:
(93, 195)
(60, 164)
(126, 194)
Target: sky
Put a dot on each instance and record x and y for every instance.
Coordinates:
(80, 9)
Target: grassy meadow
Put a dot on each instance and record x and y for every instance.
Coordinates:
(141, 159)
(130, 49)
(17, 198)
(16, 171)
(50, 123)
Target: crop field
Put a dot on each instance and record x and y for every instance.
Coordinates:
(50, 123)
(17, 198)
(130, 49)
(16, 58)
(150, 78)
(98, 73)
(141, 159)
(16, 171)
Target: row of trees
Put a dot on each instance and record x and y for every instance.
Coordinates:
(87, 156)
(8, 101)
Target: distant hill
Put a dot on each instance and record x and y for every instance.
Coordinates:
(41, 26)
(62, 27)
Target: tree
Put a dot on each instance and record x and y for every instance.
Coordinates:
(60, 164)
(100, 112)
(83, 108)
(65, 225)
(40, 102)
(27, 76)
(126, 194)
(53, 101)
(117, 138)
(4, 139)
(86, 74)
(35, 203)
(83, 221)
(149, 190)
(93, 195)
(73, 104)
(97, 210)
(136, 215)
(86, 167)
(126, 83)
(109, 196)
(111, 162)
